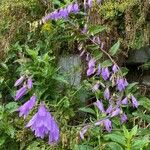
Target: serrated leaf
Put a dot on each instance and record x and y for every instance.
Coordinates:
(145, 102)
(87, 110)
(126, 132)
(32, 53)
(133, 132)
(114, 49)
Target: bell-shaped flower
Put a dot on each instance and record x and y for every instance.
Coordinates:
(116, 112)
(95, 87)
(90, 71)
(26, 107)
(107, 94)
(114, 68)
(42, 123)
(135, 103)
(109, 109)
(83, 131)
(90, 3)
(21, 92)
(19, 81)
(105, 73)
(99, 105)
(123, 118)
(29, 83)
(121, 84)
(108, 125)
(125, 101)
(98, 70)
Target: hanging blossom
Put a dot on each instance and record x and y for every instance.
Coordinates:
(121, 84)
(43, 124)
(105, 73)
(95, 87)
(135, 103)
(83, 131)
(24, 89)
(62, 13)
(19, 81)
(91, 67)
(107, 94)
(26, 107)
(21, 92)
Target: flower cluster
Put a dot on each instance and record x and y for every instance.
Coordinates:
(42, 123)
(27, 85)
(114, 100)
(62, 13)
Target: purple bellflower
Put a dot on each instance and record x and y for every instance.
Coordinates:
(19, 81)
(114, 68)
(135, 103)
(42, 123)
(106, 94)
(95, 87)
(98, 70)
(121, 84)
(26, 107)
(90, 3)
(21, 92)
(123, 118)
(116, 112)
(83, 131)
(125, 101)
(108, 125)
(99, 105)
(29, 83)
(109, 109)
(105, 73)
(91, 67)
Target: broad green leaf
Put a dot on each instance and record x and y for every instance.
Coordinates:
(116, 138)
(92, 47)
(95, 29)
(145, 102)
(32, 53)
(133, 132)
(82, 147)
(2, 140)
(114, 146)
(106, 63)
(11, 107)
(114, 49)
(87, 110)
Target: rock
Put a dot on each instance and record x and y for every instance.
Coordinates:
(70, 68)
(139, 56)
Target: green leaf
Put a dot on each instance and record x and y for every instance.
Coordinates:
(95, 29)
(87, 110)
(140, 143)
(82, 147)
(133, 132)
(11, 107)
(115, 138)
(114, 146)
(106, 63)
(126, 132)
(2, 140)
(32, 53)
(114, 49)
(145, 102)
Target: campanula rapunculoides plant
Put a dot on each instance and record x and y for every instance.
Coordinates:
(108, 83)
